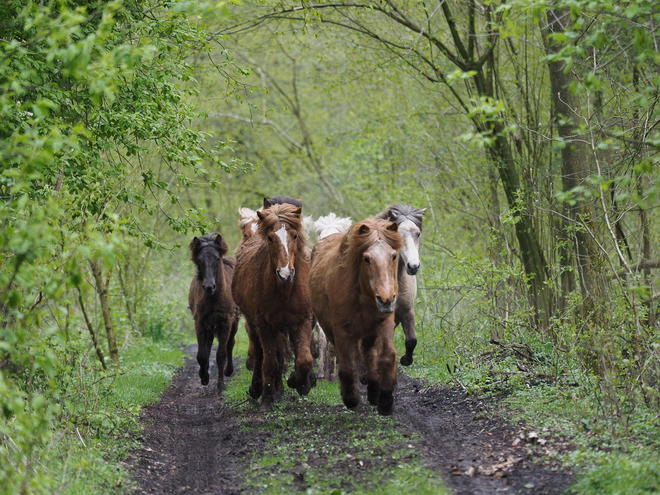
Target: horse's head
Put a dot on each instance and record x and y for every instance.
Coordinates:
(206, 253)
(281, 226)
(378, 244)
(409, 220)
(247, 222)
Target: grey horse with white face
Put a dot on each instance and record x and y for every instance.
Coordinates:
(409, 220)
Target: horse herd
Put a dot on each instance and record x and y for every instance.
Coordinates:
(354, 287)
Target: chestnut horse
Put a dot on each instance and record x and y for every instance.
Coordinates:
(270, 287)
(353, 284)
(212, 305)
(409, 220)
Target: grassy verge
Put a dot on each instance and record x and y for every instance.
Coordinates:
(100, 424)
(315, 445)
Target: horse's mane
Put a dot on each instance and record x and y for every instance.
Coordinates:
(215, 239)
(246, 216)
(281, 200)
(360, 236)
(331, 221)
(287, 214)
(400, 213)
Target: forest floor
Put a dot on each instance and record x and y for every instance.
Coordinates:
(197, 442)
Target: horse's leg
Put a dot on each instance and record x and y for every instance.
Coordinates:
(256, 387)
(332, 362)
(386, 367)
(407, 319)
(204, 344)
(323, 353)
(271, 368)
(346, 352)
(249, 362)
(221, 353)
(229, 368)
(303, 377)
(369, 351)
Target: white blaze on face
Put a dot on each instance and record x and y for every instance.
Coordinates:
(410, 251)
(254, 226)
(282, 235)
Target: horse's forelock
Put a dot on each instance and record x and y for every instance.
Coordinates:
(400, 213)
(198, 243)
(286, 214)
(356, 242)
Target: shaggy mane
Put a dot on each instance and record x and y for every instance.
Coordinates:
(400, 213)
(245, 217)
(355, 244)
(284, 213)
(331, 221)
(198, 243)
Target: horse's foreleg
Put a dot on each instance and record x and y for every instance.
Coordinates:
(323, 353)
(249, 362)
(271, 369)
(221, 355)
(303, 377)
(229, 368)
(346, 354)
(370, 354)
(204, 344)
(408, 325)
(256, 387)
(386, 368)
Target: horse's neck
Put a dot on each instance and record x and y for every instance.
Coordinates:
(407, 283)
(221, 275)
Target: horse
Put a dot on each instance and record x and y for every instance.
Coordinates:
(353, 285)
(247, 223)
(323, 227)
(212, 305)
(270, 288)
(409, 220)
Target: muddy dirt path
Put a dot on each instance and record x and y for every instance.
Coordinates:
(193, 442)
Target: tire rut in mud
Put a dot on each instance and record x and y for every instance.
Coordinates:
(192, 442)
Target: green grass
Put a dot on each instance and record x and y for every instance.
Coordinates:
(86, 457)
(318, 446)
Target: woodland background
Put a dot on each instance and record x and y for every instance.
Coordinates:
(527, 128)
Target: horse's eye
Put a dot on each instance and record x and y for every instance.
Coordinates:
(295, 237)
(393, 258)
(367, 261)
(270, 239)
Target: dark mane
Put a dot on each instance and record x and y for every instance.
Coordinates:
(287, 214)
(356, 241)
(281, 200)
(215, 239)
(400, 213)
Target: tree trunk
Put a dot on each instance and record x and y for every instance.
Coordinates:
(575, 166)
(102, 291)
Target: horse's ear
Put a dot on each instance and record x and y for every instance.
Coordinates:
(262, 214)
(422, 211)
(220, 244)
(297, 212)
(391, 216)
(194, 247)
(267, 203)
(394, 227)
(364, 229)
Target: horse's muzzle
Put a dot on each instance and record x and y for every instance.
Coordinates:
(385, 307)
(412, 269)
(286, 280)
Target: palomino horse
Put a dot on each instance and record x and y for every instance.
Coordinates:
(212, 305)
(270, 287)
(409, 220)
(354, 290)
(325, 226)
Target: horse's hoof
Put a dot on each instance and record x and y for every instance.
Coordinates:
(292, 381)
(312, 379)
(249, 366)
(266, 405)
(229, 370)
(351, 401)
(204, 380)
(255, 392)
(372, 392)
(385, 403)
(221, 387)
(406, 360)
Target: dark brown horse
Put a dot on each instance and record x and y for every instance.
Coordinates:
(212, 305)
(353, 286)
(270, 287)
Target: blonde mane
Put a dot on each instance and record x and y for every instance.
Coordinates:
(326, 225)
